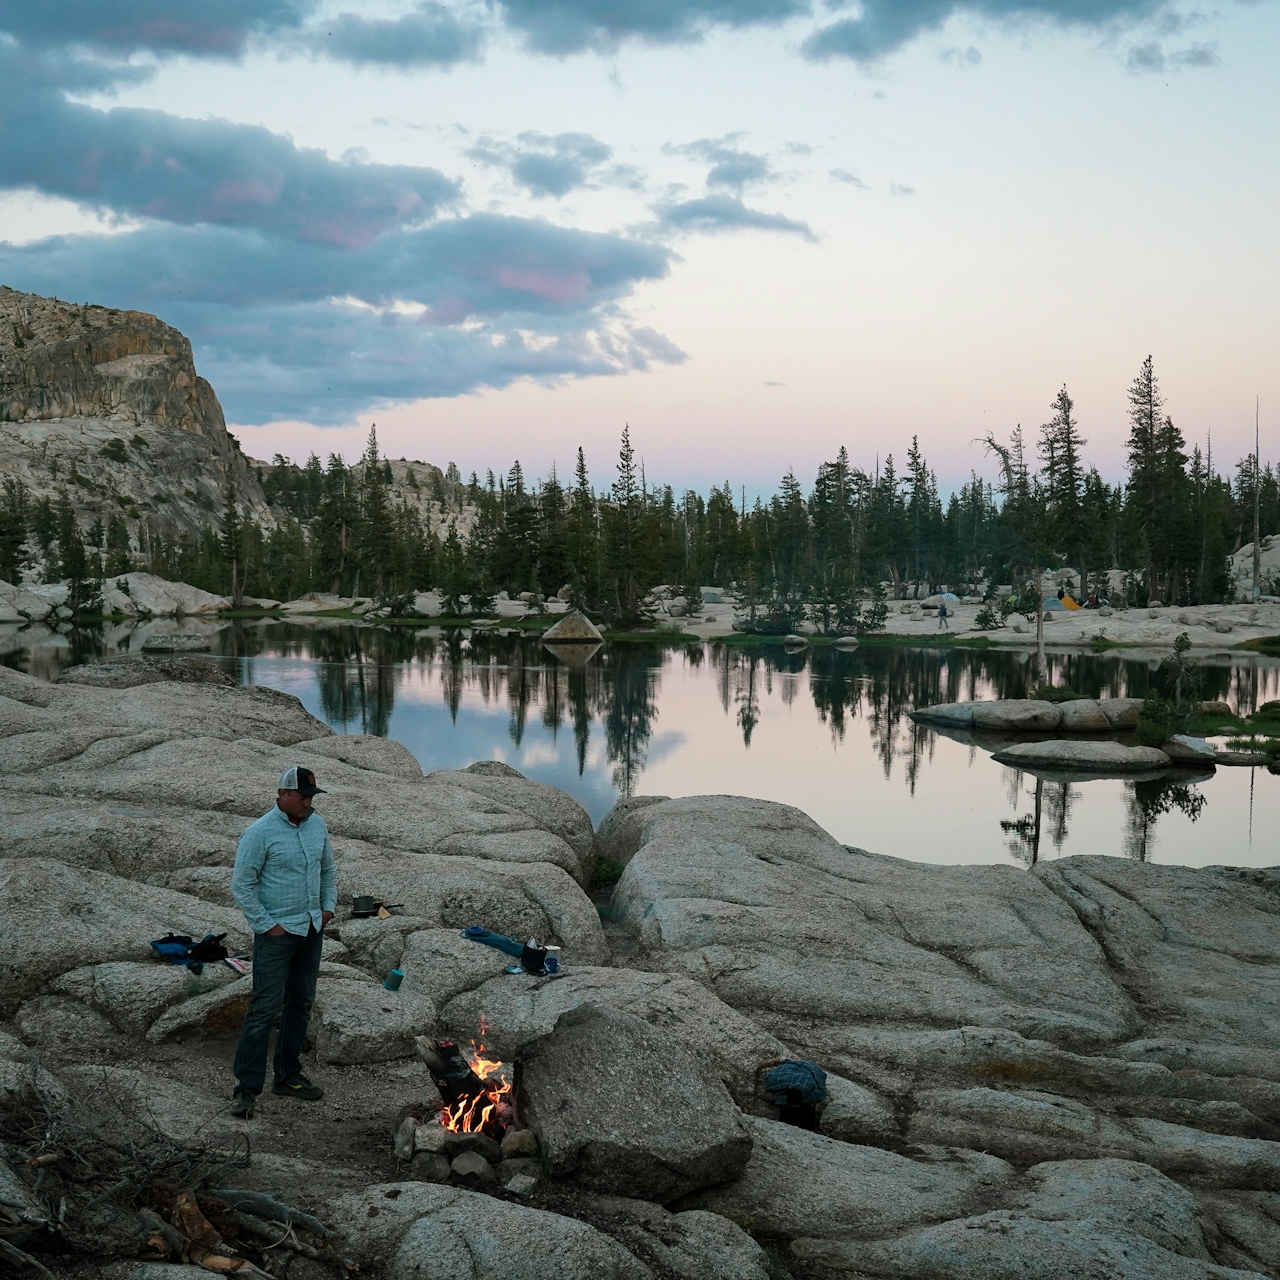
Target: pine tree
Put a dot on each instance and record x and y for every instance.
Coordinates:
(623, 526)
(453, 573)
(13, 530)
(335, 527)
(1144, 505)
(1064, 479)
(75, 568)
(377, 543)
(231, 543)
(118, 549)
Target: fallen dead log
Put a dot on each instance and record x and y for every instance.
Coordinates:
(268, 1207)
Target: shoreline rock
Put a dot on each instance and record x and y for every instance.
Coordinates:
(1075, 1066)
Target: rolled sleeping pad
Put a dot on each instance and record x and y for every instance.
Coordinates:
(500, 941)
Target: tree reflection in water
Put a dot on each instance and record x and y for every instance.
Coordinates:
(611, 697)
(1052, 802)
(1148, 801)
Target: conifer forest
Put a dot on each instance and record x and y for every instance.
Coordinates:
(818, 551)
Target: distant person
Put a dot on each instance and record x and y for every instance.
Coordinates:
(1092, 602)
(285, 881)
(1062, 591)
(942, 617)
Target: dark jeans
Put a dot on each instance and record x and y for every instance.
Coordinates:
(285, 969)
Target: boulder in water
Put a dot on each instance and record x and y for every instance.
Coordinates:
(1097, 757)
(573, 628)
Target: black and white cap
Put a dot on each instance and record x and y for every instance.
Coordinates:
(301, 780)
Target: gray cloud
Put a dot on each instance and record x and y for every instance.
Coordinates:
(1198, 55)
(713, 213)
(429, 35)
(731, 169)
(570, 26)
(843, 175)
(552, 166)
(900, 189)
(883, 26)
(1146, 57)
(150, 164)
(212, 28)
(310, 287)
(1152, 57)
(296, 329)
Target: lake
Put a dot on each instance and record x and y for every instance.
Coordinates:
(824, 730)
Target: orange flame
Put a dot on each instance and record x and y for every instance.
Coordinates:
(470, 1115)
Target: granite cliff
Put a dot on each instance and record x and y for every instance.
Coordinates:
(108, 406)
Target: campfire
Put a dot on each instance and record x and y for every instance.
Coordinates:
(475, 1088)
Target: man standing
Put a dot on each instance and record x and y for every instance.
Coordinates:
(285, 882)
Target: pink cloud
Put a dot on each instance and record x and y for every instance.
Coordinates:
(555, 288)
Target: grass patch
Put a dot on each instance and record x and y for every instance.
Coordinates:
(650, 637)
(1056, 693)
(1100, 644)
(1268, 645)
(607, 872)
(872, 640)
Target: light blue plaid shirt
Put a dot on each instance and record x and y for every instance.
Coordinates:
(285, 875)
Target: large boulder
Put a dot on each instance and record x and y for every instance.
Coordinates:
(622, 1108)
(694, 1245)
(956, 715)
(621, 830)
(127, 671)
(22, 604)
(511, 1011)
(799, 1183)
(57, 918)
(144, 593)
(520, 899)
(1020, 714)
(811, 939)
(1121, 713)
(418, 1231)
(1076, 1220)
(122, 839)
(552, 809)
(1199, 950)
(1026, 1125)
(1083, 715)
(573, 628)
(133, 994)
(364, 1022)
(1090, 757)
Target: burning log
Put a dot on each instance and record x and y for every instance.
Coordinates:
(475, 1088)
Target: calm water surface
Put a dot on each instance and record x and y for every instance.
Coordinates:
(823, 730)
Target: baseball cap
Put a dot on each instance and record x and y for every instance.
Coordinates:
(301, 780)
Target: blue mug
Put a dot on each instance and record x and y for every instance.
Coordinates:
(394, 979)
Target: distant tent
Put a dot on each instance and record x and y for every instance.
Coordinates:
(1052, 603)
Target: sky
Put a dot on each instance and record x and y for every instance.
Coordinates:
(754, 230)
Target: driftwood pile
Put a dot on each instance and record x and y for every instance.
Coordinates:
(97, 1178)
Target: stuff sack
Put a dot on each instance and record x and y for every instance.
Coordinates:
(178, 948)
(209, 949)
(173, 947)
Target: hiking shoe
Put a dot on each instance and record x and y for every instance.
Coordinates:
(242, 1106)
(298, 1086)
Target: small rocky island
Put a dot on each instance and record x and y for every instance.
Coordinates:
(1071, 1071)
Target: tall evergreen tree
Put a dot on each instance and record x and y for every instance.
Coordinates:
(1064, 483)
